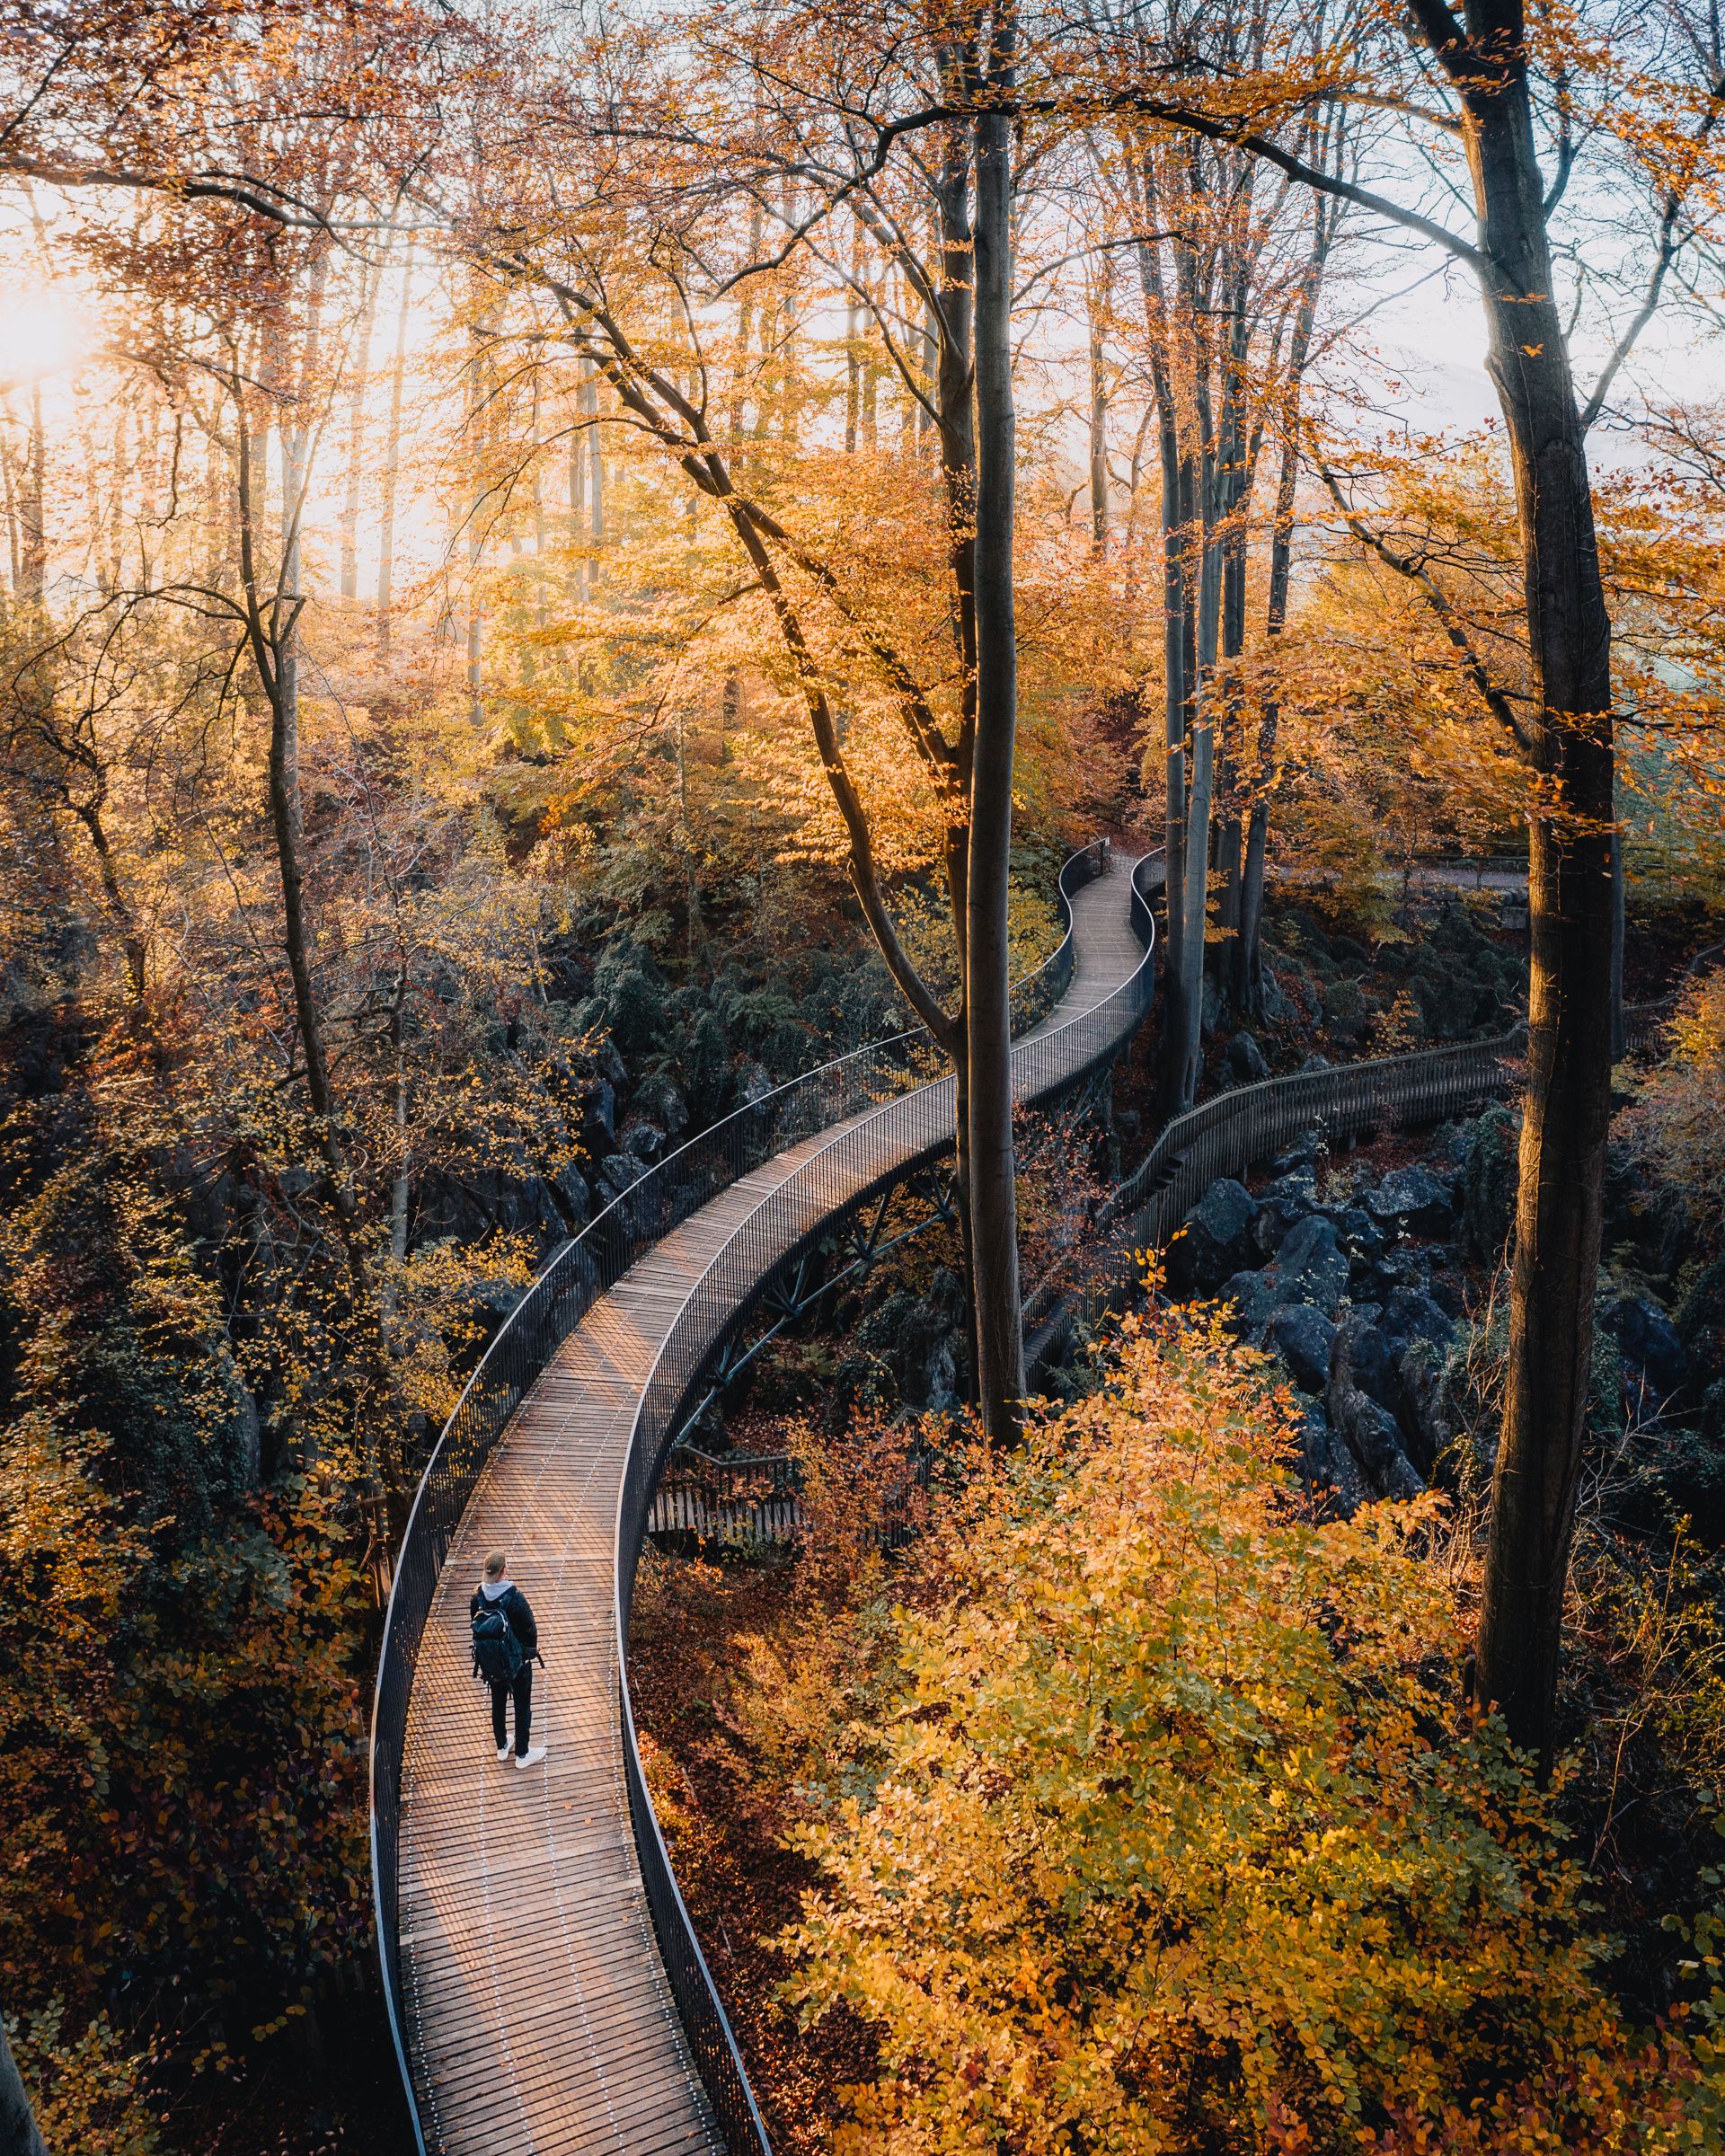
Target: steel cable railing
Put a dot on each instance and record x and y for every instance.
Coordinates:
(861, 1156)
(851, 1095)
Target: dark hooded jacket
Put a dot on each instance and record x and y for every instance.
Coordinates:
(516, 1607)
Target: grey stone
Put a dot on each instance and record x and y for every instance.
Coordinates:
(1303, 1337)
(1426, 1427)
(1416, 1199)
(1314, 1062)
(920, 1341)
(611, 1065)
(1326, 1466)
(619, 1170)
(1409, 1314)
(753, 1084)
(1346, 1014)
(1394, 1267)
(1311, 1265)
(1289, 1199)
(1215, 1240)
(659, 1100)
(1370, 1430)
(1276, 1004)
(1648, 1340)
(600, 1109)
(1253, 1297)
(496, 1298)
(1246, 1059)
(576, 1195)
(645, 1141)
(1362, 1235)
(1371, 1359)
(1489, 1169)
(1446, 1290)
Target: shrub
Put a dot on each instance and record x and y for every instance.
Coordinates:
(1677, 1124)
(1174, 1842)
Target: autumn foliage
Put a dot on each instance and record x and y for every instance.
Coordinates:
(1158, 1832)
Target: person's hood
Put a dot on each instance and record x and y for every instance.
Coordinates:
(494, 1590)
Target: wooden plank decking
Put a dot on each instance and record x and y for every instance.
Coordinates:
(539, 2017)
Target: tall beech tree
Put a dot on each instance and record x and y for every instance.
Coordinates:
(1485, 57)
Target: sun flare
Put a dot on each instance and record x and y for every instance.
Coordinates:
(42, 332)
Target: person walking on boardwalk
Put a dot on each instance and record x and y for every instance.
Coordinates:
(506, 1646)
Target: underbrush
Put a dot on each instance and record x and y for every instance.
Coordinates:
(1133, 1808)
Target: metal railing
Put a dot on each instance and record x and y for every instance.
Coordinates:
(1234, 1131)
(1230, 1133)
(875, 1147)
(881, 1130)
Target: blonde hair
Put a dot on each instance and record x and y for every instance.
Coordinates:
(497, 1564)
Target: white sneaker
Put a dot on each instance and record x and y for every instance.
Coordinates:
(502, 1751)
(530, 1758)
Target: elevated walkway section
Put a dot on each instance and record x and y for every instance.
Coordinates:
(547, 1992)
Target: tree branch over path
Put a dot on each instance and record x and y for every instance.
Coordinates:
(1494, 695)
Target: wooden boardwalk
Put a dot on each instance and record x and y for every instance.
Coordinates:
(539, 2016)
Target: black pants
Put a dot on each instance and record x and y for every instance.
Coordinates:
(522, 1709)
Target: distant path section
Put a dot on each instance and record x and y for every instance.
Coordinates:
(547, 1993)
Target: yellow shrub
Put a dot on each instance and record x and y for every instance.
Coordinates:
(1177, 1844)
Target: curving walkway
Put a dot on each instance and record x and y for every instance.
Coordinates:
(538, 2016)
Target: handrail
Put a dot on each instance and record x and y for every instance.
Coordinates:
(842, 1174)
(836, 1093)
(1230, 1132)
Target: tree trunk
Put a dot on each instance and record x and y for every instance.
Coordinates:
(994, 1212)
(349, 569)
(1619, 898)
(594, 479)
(393, 459)
(1247, 970)
(1568, 1107)
(19, 2133)
(1173, 1050)
(1098, 438)
(33, 580)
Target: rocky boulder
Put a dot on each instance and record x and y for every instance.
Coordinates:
(1326, 1466)
(1489, 1170)
(920, 1340)
(1362, 1235)
(1304, 1338)
(617, 1171)
(1215, 1240)
(1656, 1363)
(753, 1084)
(643, 1140)
(1288, 1199)
(1426, 1427)
(1311, 1265)
(578, 1199)
(1253, 1297)
(1372, 1358)
(1409, 1314)
(1246, 1059)
(1413, 1198)
(1700, 1323)
(660, 1103)
(1371, 1432)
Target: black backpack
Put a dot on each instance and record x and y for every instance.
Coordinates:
(498, 1656)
